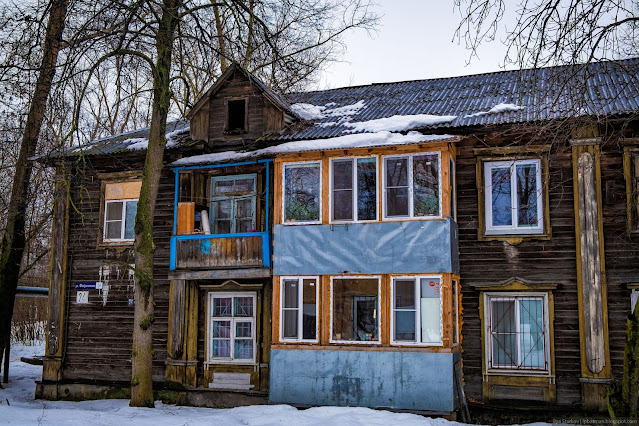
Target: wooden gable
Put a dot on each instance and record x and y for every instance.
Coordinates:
(235, 110)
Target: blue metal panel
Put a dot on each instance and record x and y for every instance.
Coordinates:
(365, 248)
(401, 380)
(172, 245)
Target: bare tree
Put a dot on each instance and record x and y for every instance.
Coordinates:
(14, 237)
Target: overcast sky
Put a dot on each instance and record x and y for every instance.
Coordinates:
(414, 42)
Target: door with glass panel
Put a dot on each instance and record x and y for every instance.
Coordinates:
(231, 334)
(233, 204)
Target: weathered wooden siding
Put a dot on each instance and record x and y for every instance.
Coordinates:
(551, 261)
(236, 87)
(98, 344)
(216, 253)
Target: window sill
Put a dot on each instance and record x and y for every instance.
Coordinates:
(122, 243)
(517, 373)
(514, 239)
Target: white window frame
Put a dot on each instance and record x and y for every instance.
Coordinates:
(490, 368)
(411, 185)
(233, 200)
(306, 222)
(514, 228)
(379, 305)
(418, 316)
(210, 318)
(300, 306)
(354, 189)
(122, 230)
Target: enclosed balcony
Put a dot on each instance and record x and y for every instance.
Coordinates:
(221, 220)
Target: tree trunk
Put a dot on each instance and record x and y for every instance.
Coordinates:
(142, 353)
(14, 239)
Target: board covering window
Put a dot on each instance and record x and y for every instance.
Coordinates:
(120, 208)
(233, 204)
(299, 309)
(231, 327)
(302, 192)
(513, 197)
(516, 332)
(417, 311)
(412, 185)
(353, 189)
(355, 309)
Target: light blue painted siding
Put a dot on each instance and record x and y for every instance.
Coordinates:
(401, 380)
(366, 248)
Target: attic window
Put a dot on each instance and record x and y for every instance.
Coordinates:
(236, 116)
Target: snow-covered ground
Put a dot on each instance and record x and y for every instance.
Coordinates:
(17, 406)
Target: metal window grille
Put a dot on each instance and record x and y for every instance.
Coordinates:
(517, 329)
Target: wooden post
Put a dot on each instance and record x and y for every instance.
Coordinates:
(52, 367)
(591, 282)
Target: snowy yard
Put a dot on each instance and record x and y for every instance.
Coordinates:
(17, 406)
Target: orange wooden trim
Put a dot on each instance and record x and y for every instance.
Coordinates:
(325, 191)
(383, 150)
(364, 348)
(325, 309)
(385, 314)
(445, 183)
(277, 193)
(275, 331)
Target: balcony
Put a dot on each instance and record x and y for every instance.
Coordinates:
(221, 220)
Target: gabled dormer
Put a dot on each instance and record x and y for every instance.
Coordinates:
(238, 108)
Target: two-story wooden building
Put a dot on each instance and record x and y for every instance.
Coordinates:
(316, 248)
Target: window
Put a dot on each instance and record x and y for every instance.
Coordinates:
(513, 197)
(299, 309)
(120, 208)
(354, 189)
(516, 331)
(412, 186)
(233, 200)
(355, 310)
(417, 311)
(236, 116)
(231, 327)
(302, 192)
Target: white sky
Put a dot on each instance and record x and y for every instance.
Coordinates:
(415, 41)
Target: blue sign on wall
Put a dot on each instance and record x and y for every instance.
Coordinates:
(90, 285)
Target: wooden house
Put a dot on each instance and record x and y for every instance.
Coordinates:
(367, 246)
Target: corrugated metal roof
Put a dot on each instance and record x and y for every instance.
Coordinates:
(611, 88)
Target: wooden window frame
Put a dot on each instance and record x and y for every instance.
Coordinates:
(418, 342)
(110, 179)
(485, 155)
(320, 179)
(226, 115)
(300, 279)
(210, 360)
(354, 197)
(411, 187)
(379, 311)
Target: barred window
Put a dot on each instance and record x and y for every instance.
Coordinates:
(517, 332)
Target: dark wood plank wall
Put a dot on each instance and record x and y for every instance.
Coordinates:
(621, 250)
(554, 260)
(98, 341)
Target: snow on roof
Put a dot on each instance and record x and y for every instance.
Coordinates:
(497, 109)
(398, 123)
(359, 140)
(318, 112)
